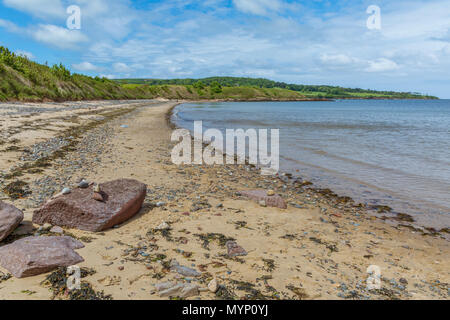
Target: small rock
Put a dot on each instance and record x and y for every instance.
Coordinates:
(182, 290)
(213, 286)
(46, 226)
(262, 203)
(163, 226)
(160, 204)
(183, 270)
(234, 249)
(66, 191)
(270, 193)
(97, 196)
(403, 281)
(271, 201)
(57, 229)
(124, 126)
(83, 184)
(96, 188)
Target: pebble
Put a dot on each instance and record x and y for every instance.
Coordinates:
(97, 196)
(183, 270)
(83, 184)
(163, 226)
(213, 286)
(270, 193)
(160, 203)
(65, 191)
(45, 226)
(57, 229)
(262, 203)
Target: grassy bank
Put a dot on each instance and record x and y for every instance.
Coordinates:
(308, 91)
(25, 80)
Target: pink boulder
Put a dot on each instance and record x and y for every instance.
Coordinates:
(271, 201)
(35, 255)
(122, 199)
(10, 218)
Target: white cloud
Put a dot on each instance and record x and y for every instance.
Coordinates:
(59, 37)
(39, 8)
(337, 59)
(25, 54)
(381, 65)
(121, 67)
(85, 66)
(258, 7)
(10, 26)
(108, 76)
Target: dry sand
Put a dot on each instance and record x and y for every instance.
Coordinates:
(318, 249)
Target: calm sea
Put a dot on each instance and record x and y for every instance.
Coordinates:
(390, 152)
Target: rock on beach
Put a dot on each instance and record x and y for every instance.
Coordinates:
(10, 218)
(270, 198)
(122, 199)
(35, 255)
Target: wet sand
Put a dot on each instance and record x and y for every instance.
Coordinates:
(318, 248)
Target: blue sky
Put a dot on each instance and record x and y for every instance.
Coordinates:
(308, 42)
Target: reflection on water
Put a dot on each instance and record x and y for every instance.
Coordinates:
(394, 152)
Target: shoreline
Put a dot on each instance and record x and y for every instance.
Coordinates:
(389, 214)
(317, 248)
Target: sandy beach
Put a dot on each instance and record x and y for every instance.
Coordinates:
(320, 247)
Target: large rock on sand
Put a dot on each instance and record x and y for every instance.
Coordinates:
(122, 199)
(10, 218)
(35, 255)
(270, 200)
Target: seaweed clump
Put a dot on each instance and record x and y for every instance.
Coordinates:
(57, 281)
(17, 189)
(208, 237)
(299, 292)
(4, 277)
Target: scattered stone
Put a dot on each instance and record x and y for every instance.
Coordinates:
(271, 201)
(183, 270)
(46, 226)
(83, 184)
(10, 219)
(96, 188)
(262, 203)
(213, 286)
(97, 196)
(160, 204)
(181, 290)
(234, 249)
(163, 226)
(270, 193)
(122, 200)
(35, 255)
(57, 229)
(66, 191)
(124, 126)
